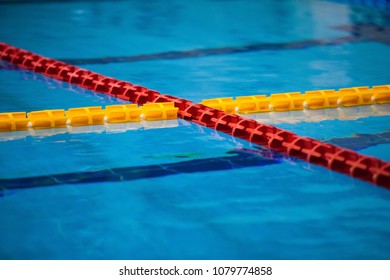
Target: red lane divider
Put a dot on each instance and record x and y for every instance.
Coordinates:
(346, 161)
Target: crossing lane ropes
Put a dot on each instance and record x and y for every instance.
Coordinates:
(335, 158)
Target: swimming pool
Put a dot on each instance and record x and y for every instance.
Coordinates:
(189, 192)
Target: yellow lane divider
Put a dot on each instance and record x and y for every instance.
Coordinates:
(87, 116)
(290, 101)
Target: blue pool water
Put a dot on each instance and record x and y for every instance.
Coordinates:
(185, 191)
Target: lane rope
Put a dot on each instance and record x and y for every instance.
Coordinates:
(124, 113)
(335, 158)
(119, 119)
(87, 116)
(293, 101)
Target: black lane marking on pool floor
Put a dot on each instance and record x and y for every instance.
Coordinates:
(213, 51)
(239, 158)
(361, 141)
(358, 33)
